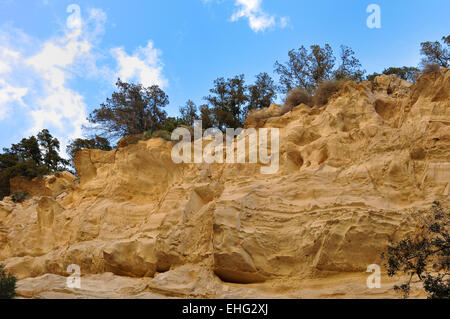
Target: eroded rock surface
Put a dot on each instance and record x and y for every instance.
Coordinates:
(139, 225)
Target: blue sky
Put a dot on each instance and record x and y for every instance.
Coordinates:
(56, 65)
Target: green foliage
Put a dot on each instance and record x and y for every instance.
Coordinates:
(32, 157)
(189, 113)
(262, 92)
(371, 77)
(406, 73)
(133, 109)
(19, 197)
(350, 68)
(227, 100)
(425, 256)
(436, 52)
(434, 56)
(231, 100)
(165, 135)
(321, 63)
(295, 73)
(308, 69)
(171, 123)
(95, 143)
(50, 145)
(7, 284)
(207, 116)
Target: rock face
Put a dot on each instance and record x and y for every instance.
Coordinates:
(45, 186)
(139, 225)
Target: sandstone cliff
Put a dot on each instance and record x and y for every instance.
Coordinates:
(139, 225)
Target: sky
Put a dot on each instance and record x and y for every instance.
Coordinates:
(59, 60)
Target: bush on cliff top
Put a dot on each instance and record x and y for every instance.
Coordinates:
(325, 91)
(294, 98)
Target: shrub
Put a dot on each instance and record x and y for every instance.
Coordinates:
(147, 135)
(294, 98)
(162, 134)
(430, 68)
(325, 91)
(371, 77)
(425, 256)
(7, 284)
(254, 116)
(406, 73)
(19, 197)
(165, 135)
(96, 142)
(129, 140)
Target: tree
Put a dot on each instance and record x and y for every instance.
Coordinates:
(446, 40)
(227, 100)
(171, 123)
(133, 109)
(30, 158)
(189, 113)
(321, 63)
(7, 284)
(371, 77)
(50, 145)
(308, 69)
(406, 73)
(28, 148)
(207, 116)
(350, 67)
(436, 53)
(262, 93)
(295, 73)
(426, 256)
(97, 143)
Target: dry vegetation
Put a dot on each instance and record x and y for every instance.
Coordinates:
(430, 68)
(294, 98)
(326, 90)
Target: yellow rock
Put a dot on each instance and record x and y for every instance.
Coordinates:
(350, 175)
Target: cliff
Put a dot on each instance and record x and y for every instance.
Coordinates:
(139, 225)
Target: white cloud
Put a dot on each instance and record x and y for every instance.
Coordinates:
(144, 65)
(7, 58)
(8, 95)
(284, 22)
(58, 105)
(36, 77)
(36, 84)
(258, 20)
